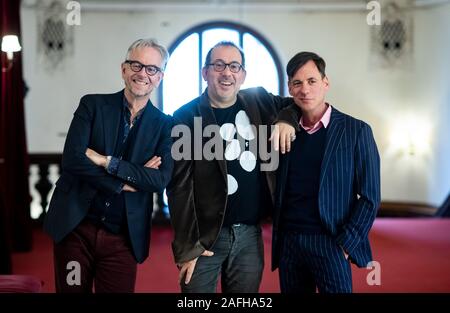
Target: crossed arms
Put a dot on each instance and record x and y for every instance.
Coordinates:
(82, 160)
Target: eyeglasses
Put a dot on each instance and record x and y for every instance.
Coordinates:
(137, 66)
(220, 66)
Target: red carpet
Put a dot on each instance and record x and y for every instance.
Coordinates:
(414, 256)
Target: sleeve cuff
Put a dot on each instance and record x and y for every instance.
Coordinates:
(120, 188)
(113, 166)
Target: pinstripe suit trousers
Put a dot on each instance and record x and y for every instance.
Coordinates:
(310, 261)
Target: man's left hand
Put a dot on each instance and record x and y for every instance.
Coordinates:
(95, 157)
(282, 137)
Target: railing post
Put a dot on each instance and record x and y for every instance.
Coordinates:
(44, 185)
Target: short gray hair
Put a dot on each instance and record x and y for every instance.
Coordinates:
(152, 43)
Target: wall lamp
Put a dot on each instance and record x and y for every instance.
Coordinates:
(411, 136)
(10, 44)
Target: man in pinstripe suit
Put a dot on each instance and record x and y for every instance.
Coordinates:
(328, 189)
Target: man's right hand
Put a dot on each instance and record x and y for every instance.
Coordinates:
(187, 268)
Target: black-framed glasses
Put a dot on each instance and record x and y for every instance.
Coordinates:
(220, 66)
(137, 66)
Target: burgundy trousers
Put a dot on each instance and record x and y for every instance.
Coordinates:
(90, 256)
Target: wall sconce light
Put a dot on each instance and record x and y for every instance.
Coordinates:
(10, 44)
(411, 136)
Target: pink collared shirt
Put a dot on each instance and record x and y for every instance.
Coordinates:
(324, 121)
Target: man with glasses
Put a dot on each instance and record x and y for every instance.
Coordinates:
(116, 155)
(216, 205)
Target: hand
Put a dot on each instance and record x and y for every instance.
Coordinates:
(128, 188)
(95, 157)
(345, 253)
(282, 136)
(154, 162)
(189, 266)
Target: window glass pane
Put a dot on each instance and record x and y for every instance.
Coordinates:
(183, 73)
(211, 37)
(261, 69)
(181, 77)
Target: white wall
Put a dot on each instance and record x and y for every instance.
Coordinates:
(434, 96)
(376, 95)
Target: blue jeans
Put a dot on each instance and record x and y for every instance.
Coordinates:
(238, 258)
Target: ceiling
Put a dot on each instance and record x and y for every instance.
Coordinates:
(305, 4)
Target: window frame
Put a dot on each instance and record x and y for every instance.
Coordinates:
(241, 29)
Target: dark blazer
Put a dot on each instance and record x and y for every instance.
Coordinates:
(197, 192)
(95, 125)
(349, 192)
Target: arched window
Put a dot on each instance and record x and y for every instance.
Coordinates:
(183, 80)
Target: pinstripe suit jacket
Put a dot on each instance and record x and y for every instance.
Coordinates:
(349, 191)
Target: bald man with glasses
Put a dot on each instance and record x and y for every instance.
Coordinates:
(216, 205)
